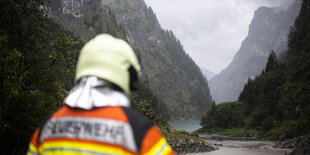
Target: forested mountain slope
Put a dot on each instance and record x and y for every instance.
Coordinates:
(38, 58)
(268, 31)
(38, 54)
(168, 71)
(37, 65)
(275, 103)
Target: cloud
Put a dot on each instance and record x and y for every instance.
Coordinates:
(211, 31)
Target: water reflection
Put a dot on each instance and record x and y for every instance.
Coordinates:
(187, 125)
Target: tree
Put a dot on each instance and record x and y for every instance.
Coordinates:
(37, 59)
(272, 62)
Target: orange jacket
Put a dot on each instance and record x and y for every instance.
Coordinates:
(104, 130)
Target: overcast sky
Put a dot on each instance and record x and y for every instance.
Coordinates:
(211, 31)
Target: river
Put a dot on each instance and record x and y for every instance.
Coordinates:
(187, 125)
(231, 147)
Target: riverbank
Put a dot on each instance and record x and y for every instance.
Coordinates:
(298, 142)
(240, 146)
(242, 151)
(301, 145)
(242, 141)
(251, 145)
(188, 145)
(183, 142)
(223, 137)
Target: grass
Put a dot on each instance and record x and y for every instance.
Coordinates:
(282, 131)
(172, 133)
(233, 132)
(238, 132)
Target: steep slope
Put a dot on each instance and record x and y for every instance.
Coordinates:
(37, 58)
(167, 70)
(207, 73)
(268, 31)
(276, 102)
(85, 18)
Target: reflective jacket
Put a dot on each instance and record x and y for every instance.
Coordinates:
(97, 120)
(104, 130)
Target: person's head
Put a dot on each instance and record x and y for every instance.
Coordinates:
(110, 59)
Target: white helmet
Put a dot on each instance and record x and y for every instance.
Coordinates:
(110, 59)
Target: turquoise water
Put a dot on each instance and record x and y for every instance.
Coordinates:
(187, 125)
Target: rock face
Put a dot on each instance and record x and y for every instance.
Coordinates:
(268, 31)
(85, 18)
(170, 73)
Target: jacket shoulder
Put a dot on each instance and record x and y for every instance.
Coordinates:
(139, 123)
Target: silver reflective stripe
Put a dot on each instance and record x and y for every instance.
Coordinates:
(75, 150)
(161, 149)
(32, 152)
(97, 129)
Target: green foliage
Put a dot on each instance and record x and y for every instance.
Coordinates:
(237, 132)
(277, 102)
(174, 77)
(112, 26)
(272, 62)
(144, 106)
(37, 60)
(234, 132)
(150, 106)
(170, 133)
(225, 115)
(282, 131)
(157, 104)
(179, 67)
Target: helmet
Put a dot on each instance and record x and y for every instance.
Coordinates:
(110, 59)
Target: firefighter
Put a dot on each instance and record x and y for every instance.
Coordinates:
(96, 117)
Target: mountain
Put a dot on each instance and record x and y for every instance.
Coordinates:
(207, 73)
(275, 104)
(166, 69)
(268, 31)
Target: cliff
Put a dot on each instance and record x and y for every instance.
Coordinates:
(166, 69)
(268, 31)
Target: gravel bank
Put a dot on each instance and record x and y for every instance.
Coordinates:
(183, 145)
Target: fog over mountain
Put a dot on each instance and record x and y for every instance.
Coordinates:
(207, 73)
(211, 31)
(268, 31)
